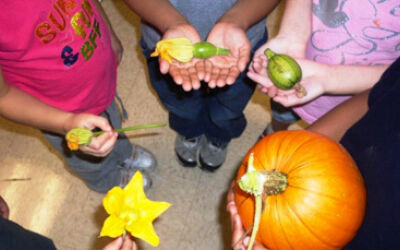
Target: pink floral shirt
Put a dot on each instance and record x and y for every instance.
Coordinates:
(351, 32)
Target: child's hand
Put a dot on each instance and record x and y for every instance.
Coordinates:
(122, 244)
(223, 70)
(185, 74)
(313, 80)
(100, 145)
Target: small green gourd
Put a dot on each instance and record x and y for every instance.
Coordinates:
(284, 72)
(204, 50)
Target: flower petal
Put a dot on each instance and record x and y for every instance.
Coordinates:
(113, 227)
(134, 192)
(113, 201)
(144, 231)
(150, 210)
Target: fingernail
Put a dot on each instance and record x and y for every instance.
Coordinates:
(246, 240)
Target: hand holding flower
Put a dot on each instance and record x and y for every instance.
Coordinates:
(130, 210)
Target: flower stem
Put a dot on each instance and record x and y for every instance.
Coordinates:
(119, 130)
(257, 217)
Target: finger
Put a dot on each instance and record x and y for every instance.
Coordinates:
(186, 80)
(96, 144)
(129, 243)
(176, 75)
(200, 69)
(213, 78)
(195, 82)
(101, 123)
(164, 66)
(260, 79)
(208, 70)
(115, 244)
(222, 77)
(232, 76)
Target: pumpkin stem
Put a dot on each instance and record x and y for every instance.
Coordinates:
(275, 182)
(258, 183)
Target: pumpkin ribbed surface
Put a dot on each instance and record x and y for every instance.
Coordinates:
(323, 204)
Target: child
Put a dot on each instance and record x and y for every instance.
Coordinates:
(342, 49)
(369, 130)
(208, 117)
(58, 71)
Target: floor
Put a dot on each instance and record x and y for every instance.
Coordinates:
(49, 200)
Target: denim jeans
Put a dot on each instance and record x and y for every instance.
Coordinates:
(216, 113)
(99, 173)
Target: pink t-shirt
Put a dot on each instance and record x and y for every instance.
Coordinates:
(351, 32)
(59, 51)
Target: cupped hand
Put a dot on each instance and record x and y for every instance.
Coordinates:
(258, 66)
(223, 70)
(313, 80)
(101, 145)
(184, 74)
(239, 240)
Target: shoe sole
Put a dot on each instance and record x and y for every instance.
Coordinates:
(207, 167)
(184, 163)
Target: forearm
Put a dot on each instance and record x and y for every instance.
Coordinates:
(159, 13)
(350, 79)
(296, 21)
(245, 13)
(20, 107)
(336, 122)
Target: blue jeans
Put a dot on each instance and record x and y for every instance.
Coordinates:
(216, 113)
(98, 173)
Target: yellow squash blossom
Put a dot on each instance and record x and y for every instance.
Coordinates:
(78, 136)
(131, 210)
(180, 49)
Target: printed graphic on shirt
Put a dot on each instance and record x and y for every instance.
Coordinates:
(352, 35)
(67, 15)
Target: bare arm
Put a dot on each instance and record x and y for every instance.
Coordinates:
(245, 13)
(20, 107)
(336, 122)
(160, 13)
(296, 21)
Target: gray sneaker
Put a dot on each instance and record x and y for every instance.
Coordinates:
(127, 174)
(140, 159)
(212, 155)
(186, 150)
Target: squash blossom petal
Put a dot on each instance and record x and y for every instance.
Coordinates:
(180, 49)
(78, 136)
(131, 210)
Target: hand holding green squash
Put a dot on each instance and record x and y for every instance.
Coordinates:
(284, 72)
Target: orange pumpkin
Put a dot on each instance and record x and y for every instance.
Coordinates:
(322, 203)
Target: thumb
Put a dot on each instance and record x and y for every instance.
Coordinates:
(99, 122)
(244, 58)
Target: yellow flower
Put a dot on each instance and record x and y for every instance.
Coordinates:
(180, 49)
(130, 210)
(78, 136)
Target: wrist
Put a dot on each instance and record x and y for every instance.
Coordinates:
(67, 122)
(232, 19)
